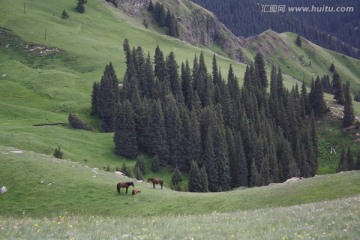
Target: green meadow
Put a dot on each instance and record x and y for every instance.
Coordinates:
(75, 198)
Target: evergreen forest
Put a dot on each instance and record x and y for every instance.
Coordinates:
(194, 119)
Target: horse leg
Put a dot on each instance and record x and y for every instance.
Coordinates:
(153, 185)
(118, 189)
(127, 189)
(161, 185)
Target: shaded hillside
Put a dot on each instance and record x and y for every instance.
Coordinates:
(335, 31)
(196, 25)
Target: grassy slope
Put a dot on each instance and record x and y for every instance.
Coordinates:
(37, 89)
(44, 186)
(53, 198)
(306, 62)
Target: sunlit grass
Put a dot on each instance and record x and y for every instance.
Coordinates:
(337, 219)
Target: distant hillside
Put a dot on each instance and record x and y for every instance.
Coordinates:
(336, 31)
(196, 25)
(303, 63)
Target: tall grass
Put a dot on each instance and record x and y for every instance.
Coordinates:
(337, 219)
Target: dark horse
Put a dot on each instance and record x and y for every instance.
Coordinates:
(124, 185)
(156, 181)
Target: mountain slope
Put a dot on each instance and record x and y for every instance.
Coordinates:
(306, 62)
(317, 21)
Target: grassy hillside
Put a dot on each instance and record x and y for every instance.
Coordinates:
(53, 198)
(40, 185)
(306, 62)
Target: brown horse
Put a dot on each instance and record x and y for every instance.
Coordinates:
(156, 181)
(124, 185)
(135, 191)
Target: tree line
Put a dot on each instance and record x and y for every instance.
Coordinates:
(224, 135)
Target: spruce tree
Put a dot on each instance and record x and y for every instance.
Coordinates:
(155, 165)
(349, 115)
(174, 132)
(157, 139)
(298, 41)
(176, 180)
(350, 160)
(125, 133)
(254, 175)
(332, 68)
(337, 88)
(342, 166)
(195, 183)
(260, 70)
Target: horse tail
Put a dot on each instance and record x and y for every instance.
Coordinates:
(118, 188)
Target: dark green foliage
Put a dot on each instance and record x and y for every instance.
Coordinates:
(164, 18)
(326, 85)
(349, 115)
(335, 31)
(64, 15)
(138, 173)
(151, 6)
(298, 41)
(80, 6)
(316, 98)
(155, 166)
(337, 88)
(197, 179)
(76, 122)
(141, 165)
(357, 96)
(357, 164)
(343, 165)
(350, 160)
(126, 170)
(58, 153)
(105, 97)
(125, 133)
(176, 180)
(254, 175)
(332, 68)
(223, 135)
(114, 2)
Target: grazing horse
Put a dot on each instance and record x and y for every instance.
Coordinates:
(135, 191)
(124, 185)
(156, 181)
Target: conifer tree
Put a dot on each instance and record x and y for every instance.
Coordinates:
(174, 132)
(254, 175)
(80, 6)
(157, 139)
(195, 183)
(160, 69)
(337, 88)
(176, 180)
(332, 68)
(173, 75)
(350, 160)
(125, 133)
(298, 41)
(94, 99)
(316, 98)
(187, 84)
(342, 166)
(260, 70)
(155, 165)
(141, 164)
(349, 115)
